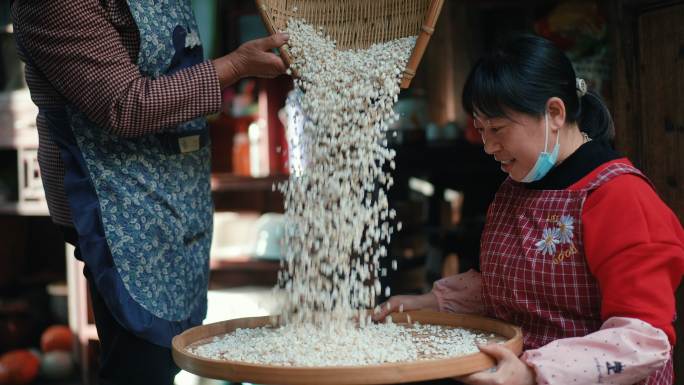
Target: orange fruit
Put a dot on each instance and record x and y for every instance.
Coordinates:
(57, 337)
(22, 366)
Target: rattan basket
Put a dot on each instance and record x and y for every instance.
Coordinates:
(359, 23)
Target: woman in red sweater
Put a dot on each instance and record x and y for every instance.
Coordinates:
(578, 248)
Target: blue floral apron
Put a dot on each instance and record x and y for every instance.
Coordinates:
(142, 206)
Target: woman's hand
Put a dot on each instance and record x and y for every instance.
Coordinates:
(253, 58)
(406, 302)
(510, 370)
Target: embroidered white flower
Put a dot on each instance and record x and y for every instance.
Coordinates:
(566, 225)
(549, 241)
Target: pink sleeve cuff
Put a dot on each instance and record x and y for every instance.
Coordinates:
(623, 351)
(460, 293)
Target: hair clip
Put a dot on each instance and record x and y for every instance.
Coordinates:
(581, 86)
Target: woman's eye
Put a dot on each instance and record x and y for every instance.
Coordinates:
(496, 129)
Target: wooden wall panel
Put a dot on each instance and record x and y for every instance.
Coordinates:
(661, 65)
(626, 110)
(648, 42)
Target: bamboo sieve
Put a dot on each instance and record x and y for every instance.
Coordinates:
(359, 23)
(389, 373)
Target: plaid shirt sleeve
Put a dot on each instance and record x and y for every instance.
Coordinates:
(81, 52)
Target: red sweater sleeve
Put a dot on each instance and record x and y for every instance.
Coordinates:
(634, 246)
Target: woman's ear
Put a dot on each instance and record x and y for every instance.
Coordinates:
(556, 111)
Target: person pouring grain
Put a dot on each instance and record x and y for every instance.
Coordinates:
(122, 88)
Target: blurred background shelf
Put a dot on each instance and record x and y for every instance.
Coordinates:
(31, 209)
(243, 193)
(229, 182)
(242, 271)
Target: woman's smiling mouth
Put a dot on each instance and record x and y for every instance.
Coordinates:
(506, 165)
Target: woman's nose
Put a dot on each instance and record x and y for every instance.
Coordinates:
(490, 146)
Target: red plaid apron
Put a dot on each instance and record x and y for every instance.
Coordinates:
(534, 271)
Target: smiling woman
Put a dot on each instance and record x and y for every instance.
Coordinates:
(524, 144)
(551, 258)
(523, 75)
(521, 96)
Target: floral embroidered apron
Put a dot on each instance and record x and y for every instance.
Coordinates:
(142, 206)
(534, 271)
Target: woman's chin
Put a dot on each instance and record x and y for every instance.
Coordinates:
(514, 175)
(514, 172)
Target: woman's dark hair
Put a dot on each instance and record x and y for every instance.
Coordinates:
(522, 74)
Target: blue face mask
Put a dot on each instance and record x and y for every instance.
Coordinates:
(546, 160)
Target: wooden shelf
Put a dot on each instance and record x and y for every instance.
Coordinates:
(243, 271)
(32, 209)
(20, 139)
(240, 193)
(18, 120)
(227, 182)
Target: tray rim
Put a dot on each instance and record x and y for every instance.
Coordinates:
(397, 372)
